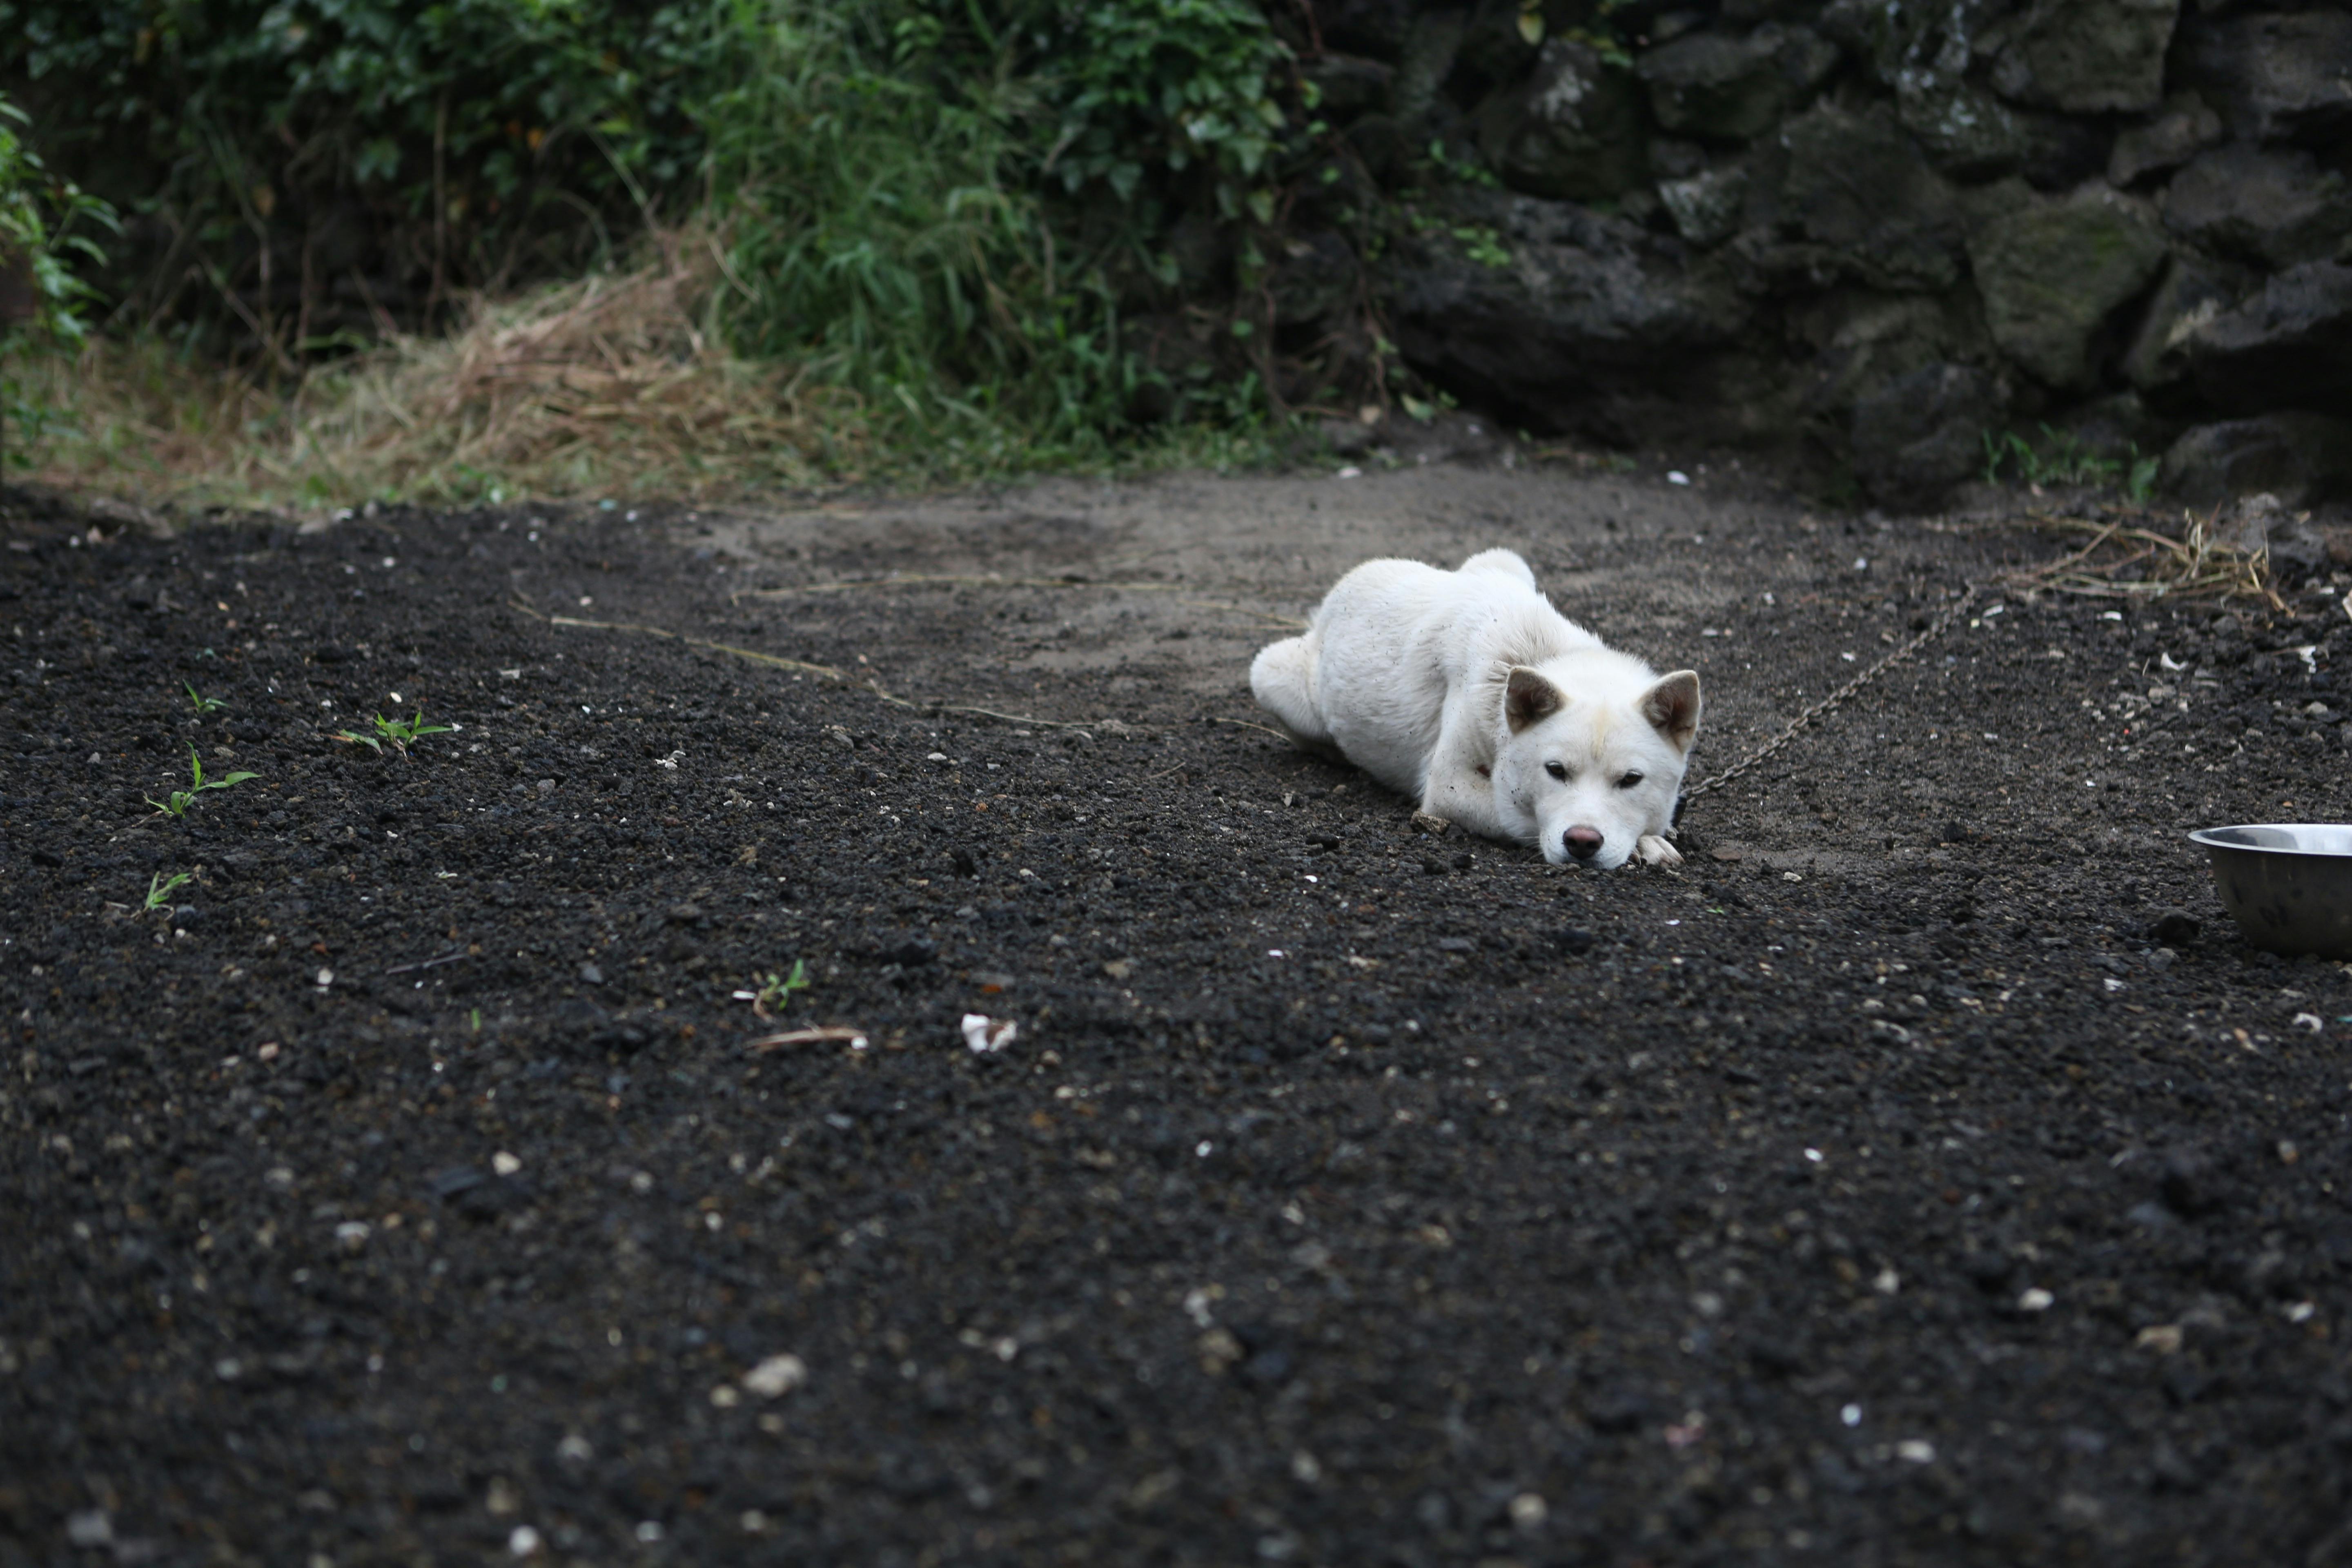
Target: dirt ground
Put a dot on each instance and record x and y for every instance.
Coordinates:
(1924, 1173)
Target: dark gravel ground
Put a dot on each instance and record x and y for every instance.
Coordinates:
(1896, 1183)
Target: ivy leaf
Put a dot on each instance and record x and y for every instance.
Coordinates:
(377, 159)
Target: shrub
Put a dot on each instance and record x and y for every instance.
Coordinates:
(304, 171)
(950, 204)
(43, 225)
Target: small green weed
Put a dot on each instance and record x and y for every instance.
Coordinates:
(159, 891)
(203, 704)
(777, 990)
(1482, 243)
(181, 799)
(396, 733)
(2062, 457)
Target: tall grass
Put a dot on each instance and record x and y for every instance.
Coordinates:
(888, 233)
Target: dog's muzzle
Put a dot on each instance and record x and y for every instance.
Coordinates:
(1582, 841)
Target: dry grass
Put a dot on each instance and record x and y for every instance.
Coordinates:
(2126, 558)
(609, 385)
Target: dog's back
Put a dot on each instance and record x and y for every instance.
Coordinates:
(1392, 641)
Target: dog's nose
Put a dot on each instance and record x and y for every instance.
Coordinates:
(1583, 842)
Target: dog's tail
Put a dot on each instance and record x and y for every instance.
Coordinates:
(1282, 678)
(1501, 563)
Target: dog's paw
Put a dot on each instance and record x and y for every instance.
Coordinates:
(1652, 850)
(1435, 826)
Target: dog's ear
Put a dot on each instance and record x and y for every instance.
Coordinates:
(1672, 708)
(1528, 697)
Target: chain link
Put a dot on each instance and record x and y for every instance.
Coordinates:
(1942, 623)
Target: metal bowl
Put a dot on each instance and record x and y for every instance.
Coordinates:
(2289, 884)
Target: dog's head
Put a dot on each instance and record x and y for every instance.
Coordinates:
(1596, 771)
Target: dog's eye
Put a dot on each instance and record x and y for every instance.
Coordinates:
(1629, 781)
(1556, 770)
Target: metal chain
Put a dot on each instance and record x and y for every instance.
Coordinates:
(1830, 704)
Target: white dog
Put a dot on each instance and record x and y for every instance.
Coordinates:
(1468, 693)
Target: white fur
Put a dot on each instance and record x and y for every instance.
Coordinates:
(1465, 689)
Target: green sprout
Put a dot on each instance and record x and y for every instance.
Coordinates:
(777, 990)
(159, 891)
(396, 733)
(181, 799)
(203, 704)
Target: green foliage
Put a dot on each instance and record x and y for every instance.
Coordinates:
(395, 732)
(43, 221)
(777, 990)
(944, 207)
(2064, 458)
(1152, 87)
(286, 145)
(202, 704)
(39, 214)
(177, 803)
(1482, 243)
(159, 891)
(947, 220)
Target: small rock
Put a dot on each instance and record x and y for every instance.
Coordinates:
(2283, 347)
(2054, 272)
(1456, 945)
(2175, 928)
(547, 786)
(776, 1376)
(1120, 969)
(2266, 208)
(90, 1526)
(985, 1035)
(2035, 1300)
(2089, 57)
(2275, 78)
(1918, 434)
(1570, 128)
(2186, 128)
(590, 975)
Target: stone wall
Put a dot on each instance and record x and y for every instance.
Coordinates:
(1878, 227)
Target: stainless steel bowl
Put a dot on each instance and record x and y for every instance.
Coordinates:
(2288, 883)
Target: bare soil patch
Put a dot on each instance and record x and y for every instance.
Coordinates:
(1923, 1173)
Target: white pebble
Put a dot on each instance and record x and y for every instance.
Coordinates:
(776, 1376)
(504, 1163)
(2036, 1301)
(524, 1541)
(1916, 1451)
